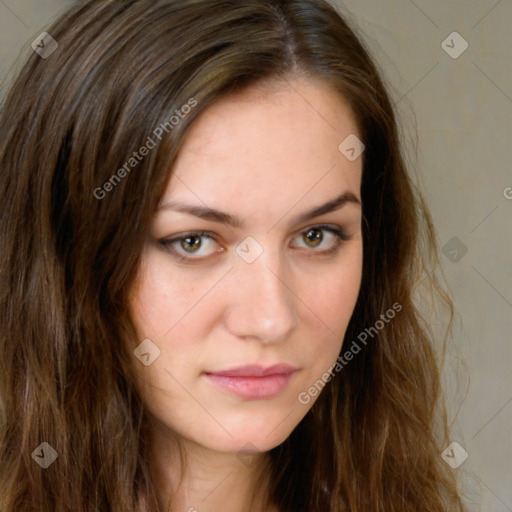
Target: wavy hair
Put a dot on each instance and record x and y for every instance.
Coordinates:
(69, 257)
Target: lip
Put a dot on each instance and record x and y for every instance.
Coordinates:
(254, 382)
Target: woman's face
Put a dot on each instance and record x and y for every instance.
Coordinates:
(275, 288)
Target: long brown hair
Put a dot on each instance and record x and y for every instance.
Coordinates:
(72, 237)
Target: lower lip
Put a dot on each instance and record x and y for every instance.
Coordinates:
(253, 388)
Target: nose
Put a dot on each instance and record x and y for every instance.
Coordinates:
(263, 304)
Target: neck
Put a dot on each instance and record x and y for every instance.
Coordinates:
(208, 481)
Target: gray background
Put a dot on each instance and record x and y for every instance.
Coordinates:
(461, 109)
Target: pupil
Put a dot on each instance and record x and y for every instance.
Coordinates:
(187, 240)
(314, 238)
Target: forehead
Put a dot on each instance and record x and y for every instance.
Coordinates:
(260, 145)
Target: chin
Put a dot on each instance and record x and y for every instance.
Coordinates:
(258, 432)
(245, 442)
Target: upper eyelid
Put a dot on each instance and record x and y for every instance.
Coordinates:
(213, 236)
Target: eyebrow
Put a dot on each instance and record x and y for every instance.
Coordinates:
(225, 218)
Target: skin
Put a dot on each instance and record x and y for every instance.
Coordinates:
(265, 158)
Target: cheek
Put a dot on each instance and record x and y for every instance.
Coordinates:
(333, 295)
(156, 305)
(162, 308)
(159, 299)
(331, 301)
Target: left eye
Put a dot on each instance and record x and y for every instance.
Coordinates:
(191, 243)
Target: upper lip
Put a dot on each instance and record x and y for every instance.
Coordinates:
(255, 371)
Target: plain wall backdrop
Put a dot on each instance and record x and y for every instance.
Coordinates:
(448, 65)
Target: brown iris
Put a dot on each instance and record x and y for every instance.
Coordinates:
(315, 238)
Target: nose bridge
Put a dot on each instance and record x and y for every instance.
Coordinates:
(265, 307)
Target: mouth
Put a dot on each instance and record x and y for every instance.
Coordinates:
(253, 382)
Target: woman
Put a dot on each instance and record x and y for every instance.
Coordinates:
(210, 250)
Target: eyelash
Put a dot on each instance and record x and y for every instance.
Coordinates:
(167, 243)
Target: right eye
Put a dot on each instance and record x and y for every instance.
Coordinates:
(186, 244)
